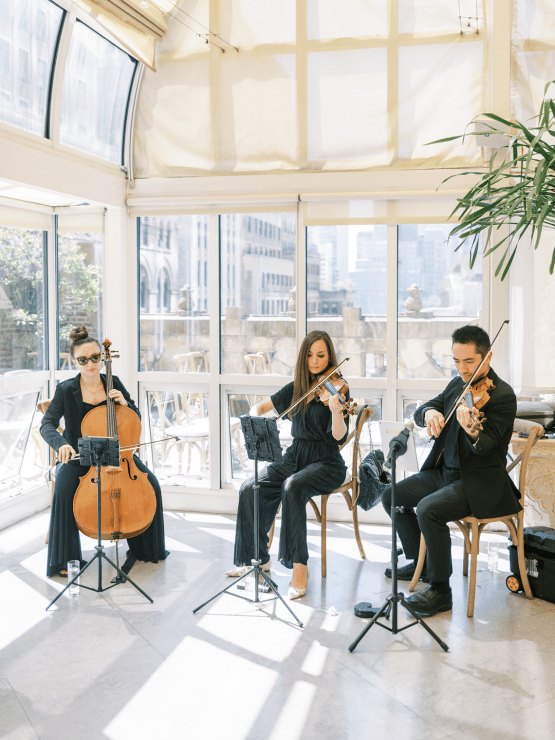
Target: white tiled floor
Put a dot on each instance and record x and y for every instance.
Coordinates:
(115, 666)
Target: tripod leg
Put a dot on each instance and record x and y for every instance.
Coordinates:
(124, 577)
(419, 619)
(224, 590)
(83, 569)
(385, 606)
(272, 585)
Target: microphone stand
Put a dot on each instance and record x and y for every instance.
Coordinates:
(397, 447)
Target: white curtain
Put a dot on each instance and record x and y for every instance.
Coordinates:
(316, 85)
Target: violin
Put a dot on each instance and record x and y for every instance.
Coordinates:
(336, 387)
(477, 397)
(330, 385)
(128, 499)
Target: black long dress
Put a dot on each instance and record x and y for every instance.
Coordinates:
(63, 539)
(311, 466)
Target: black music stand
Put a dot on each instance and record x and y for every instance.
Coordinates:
(99, 451)
(397, 447)
(262, 441)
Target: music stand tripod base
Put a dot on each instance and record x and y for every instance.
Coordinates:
(99, 451)
(390, 606)
(262, 442)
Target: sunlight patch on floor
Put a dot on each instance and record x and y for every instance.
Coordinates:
(23, 608)
(292, 718)
(177, 546)
(204, 695)
(13, 538)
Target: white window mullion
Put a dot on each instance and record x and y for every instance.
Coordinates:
(390, 401)
(214, 401)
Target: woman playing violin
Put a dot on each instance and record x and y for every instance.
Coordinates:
(73, 399)
(311, 466)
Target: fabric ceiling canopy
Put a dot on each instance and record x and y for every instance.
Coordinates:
(316, 85)
(137, 28)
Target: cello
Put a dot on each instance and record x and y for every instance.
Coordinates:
(128, 499)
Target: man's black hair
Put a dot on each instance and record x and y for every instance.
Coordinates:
(472, 335)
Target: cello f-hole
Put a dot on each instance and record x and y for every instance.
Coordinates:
(133, 477)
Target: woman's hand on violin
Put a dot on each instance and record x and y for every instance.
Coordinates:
(66, 453)
(435, 422)
(464, 417)
(118, 397)
(335, 405)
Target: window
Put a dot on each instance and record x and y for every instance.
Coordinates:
(22, 299)
(30, 57)
(347, 278)
(79, 287)
(100, 75)
(437, 292)
(168, 342)
(249, 297)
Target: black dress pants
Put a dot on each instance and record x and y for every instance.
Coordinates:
(292, 490)
(438, 497)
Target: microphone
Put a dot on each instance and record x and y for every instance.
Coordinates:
(399, 444)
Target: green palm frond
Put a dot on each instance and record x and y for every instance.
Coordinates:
(518, 191)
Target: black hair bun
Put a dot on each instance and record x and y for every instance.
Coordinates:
(80, 332)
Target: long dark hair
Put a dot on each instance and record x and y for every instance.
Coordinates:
(79, 336)
(303, 377)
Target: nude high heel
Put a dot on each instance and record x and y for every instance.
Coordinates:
(297, 593)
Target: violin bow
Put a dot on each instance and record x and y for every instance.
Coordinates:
(124, 449)
(474, 374)
(321, 382)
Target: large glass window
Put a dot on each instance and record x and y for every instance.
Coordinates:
(173, 293)
(437, 292)
(257, 293)
(181, 418)
(22, 299)
(347, 292)
(28, 37)
(79, 288)
(95, 96)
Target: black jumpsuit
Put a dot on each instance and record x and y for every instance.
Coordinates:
(311, 466)
(63, 538)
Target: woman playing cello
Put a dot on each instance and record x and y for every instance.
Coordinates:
(311, 466)
(72, 400)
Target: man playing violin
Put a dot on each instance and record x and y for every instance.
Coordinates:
(464, 474)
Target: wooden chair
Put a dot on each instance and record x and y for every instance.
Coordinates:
(349, 491)
(471, 527)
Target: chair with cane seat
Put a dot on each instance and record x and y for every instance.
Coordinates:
(349, 491)
(471, 527)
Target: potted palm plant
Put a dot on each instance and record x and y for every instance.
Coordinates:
(518, 189)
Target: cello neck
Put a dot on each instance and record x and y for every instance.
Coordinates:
(112, 430)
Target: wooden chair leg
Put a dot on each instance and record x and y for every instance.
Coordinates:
(323, 513)
(518, 538)
(357, 532)
(473, 566)
(466, 550)
(419, 564)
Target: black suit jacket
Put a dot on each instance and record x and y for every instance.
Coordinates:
(68, 403)
(488, 487)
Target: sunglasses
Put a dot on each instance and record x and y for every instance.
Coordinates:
(85, 360)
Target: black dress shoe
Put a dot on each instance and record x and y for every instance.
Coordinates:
(406, 573)
(430, 602)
